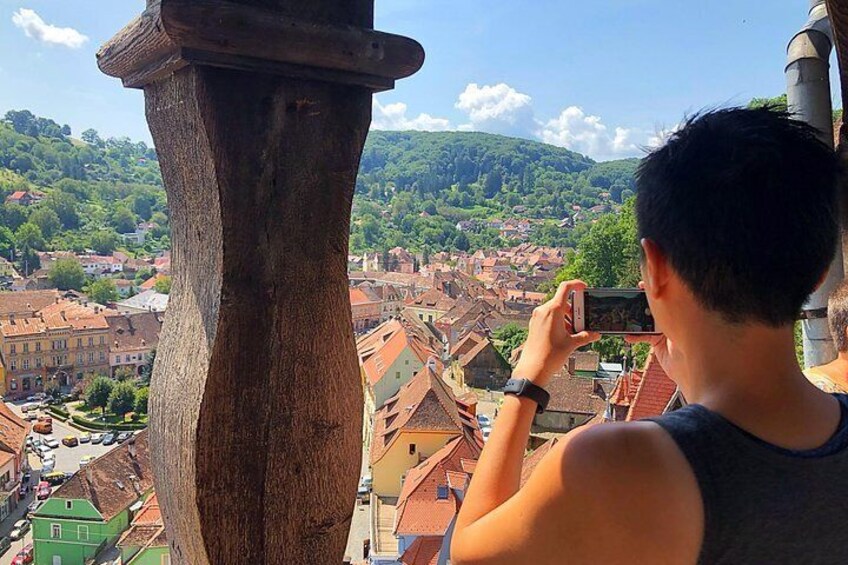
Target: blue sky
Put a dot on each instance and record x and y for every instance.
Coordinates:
(602, 77)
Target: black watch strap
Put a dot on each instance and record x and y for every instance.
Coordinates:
(523, 387)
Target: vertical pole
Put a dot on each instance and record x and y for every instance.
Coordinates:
(809, 99)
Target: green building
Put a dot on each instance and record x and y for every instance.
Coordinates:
(91, 511)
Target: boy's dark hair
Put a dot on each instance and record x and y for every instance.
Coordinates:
(743, 204)
(837, 315)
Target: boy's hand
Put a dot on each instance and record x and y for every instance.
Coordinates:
(551, 339)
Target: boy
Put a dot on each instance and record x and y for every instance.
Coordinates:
(737, 218)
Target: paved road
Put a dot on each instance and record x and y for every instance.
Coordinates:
(67, 460)
(359, 530)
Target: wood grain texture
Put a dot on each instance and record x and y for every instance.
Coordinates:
(256, 402)
(247, 36)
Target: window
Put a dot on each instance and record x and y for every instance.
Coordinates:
(69, 504)
(117, 359)
(102, 356)
(38, 362)
(26, 348)
(82, 533)
(13, 365)
(13, 349)
(79, 358)
(26, 364)
(397, 375)
(412, 449)
(571, 422)
(37, 346)
(91, 357)
(91, 342)
(421, 316)
(406, 362)
(79, 342)
(56, 531)
(102, 340)
(441, 492)
(126, 358)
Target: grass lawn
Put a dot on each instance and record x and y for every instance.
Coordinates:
(96, 415)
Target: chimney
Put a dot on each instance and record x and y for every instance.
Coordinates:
(131, 447)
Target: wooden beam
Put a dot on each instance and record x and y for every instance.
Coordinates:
(171, 34)
(256, 400)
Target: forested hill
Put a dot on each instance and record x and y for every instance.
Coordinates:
(413, 189)
(456, 176)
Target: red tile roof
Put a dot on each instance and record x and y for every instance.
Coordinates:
(419, 510)
(13, 432)
(358, 296)
(423, 551)
(134, 332)
(379, 349)
(655, 392)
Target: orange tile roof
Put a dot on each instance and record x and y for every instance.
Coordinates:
(626, 388)
(425, 403)
(532, 460)
(379, 349)
(151, 282)
(419, 510)
(358, 296)
(655, 392)
(422, 551)
(29, 301)
(13, 432)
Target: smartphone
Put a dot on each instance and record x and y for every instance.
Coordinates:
(612, 311)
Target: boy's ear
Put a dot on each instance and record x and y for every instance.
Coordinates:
(655, 270)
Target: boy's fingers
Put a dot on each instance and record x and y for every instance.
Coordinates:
(560, 299)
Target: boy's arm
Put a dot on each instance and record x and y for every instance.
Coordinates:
(594, 480)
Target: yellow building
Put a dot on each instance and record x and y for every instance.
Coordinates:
(431, 305)
(63, 341)
(413, 425)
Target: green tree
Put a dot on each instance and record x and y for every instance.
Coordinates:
(67, 274)
(123, 220)
(142, 396)
(29, 237)
(124, 373)
(777, 103)
(163, 285)
(122, 398)
(147, 368)
(102, 291)
(509, 337)
(53, 390)
(104, 242)
(47, 220)
(98, 393)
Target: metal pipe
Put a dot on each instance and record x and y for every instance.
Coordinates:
(809, 99)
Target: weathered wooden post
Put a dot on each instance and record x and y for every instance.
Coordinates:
(259, 110)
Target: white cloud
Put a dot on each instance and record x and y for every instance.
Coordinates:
(498, 109)
(587, 134)
(661, 135)
(36, 28)
(393, 117)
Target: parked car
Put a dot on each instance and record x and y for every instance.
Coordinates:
(97, 438)
(48, 465)
(51, 442)
(33, 508)
(5, 544)
(37, 396)
(43, 491)
(42, 451)
(36, 442)
(26, 478)
(30, 416)
(42, 427)
(24, 556)
(55, 478)
(20, 528)
(484, 420)
(124, 436)
(70, 441)
(109, 438)
(85, 437)
(22, 490)
(86, 460)
(486, 431)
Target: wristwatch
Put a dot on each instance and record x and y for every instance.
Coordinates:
(523, 387)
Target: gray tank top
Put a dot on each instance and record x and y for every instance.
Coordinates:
(764, 503)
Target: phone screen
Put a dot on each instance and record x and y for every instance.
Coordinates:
(612, 310)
